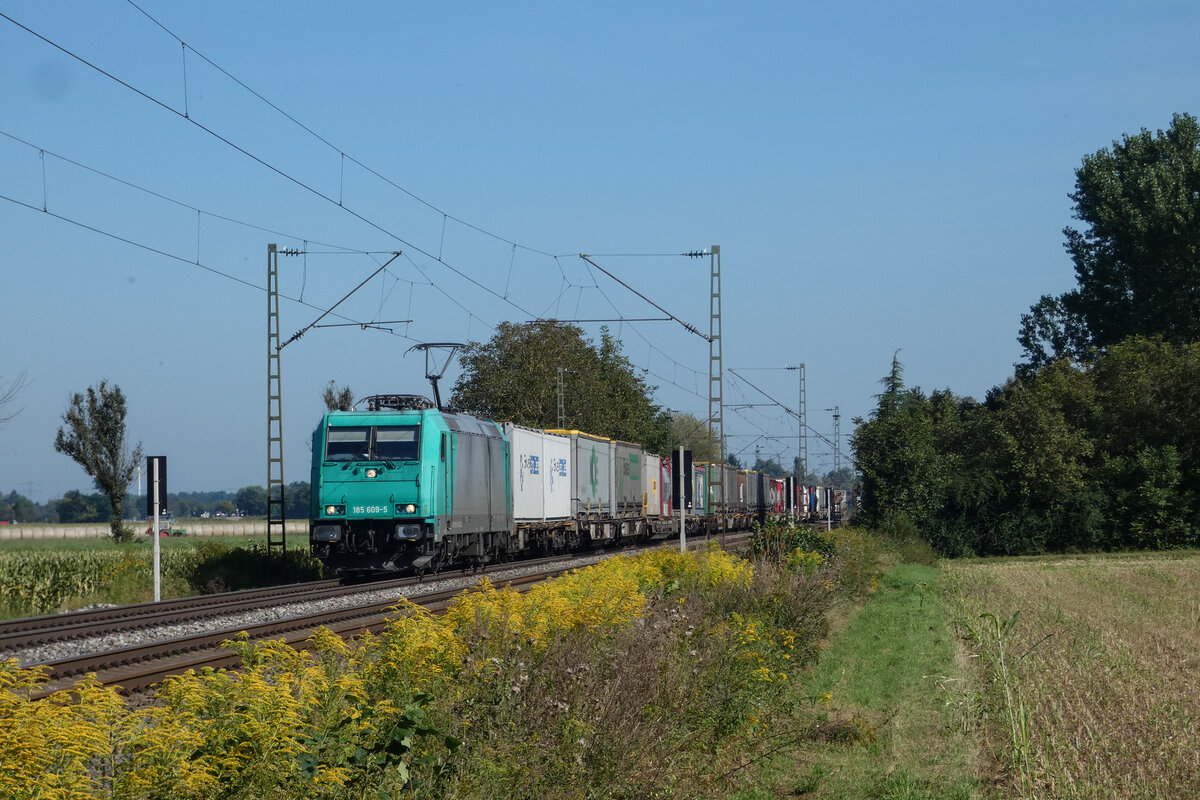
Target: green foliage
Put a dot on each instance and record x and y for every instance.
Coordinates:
(691, 658)
(17, 508)
(770, 467)
(1137, 260)
(252, 500)
(77, 507)
(514, 378)
(217, 567)
(34, 582)
(902, 451)
(93, 434)
(695, 435)
(338, 399)
(1067, 459)
(296, 497)
(775, 540)
(1148, 501)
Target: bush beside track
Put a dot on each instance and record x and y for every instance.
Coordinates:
(655, 675)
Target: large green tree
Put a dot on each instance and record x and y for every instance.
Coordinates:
(896, 449)
(514, 377)
(93, 433)
(1137, 256)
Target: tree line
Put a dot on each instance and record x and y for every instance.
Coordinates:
(1094, 442)
(79, 507)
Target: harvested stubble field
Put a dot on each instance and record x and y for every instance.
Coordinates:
(1092, 669)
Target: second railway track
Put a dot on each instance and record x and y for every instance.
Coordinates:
(171, 637)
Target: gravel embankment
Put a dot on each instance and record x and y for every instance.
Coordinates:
(237, 621)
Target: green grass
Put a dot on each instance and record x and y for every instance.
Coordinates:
(887, 712)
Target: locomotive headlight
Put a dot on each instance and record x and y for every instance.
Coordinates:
(371, 473)
(333, 511)
(408, 509)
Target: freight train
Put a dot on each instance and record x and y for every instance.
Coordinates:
(402, 486)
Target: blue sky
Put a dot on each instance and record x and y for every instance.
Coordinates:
(879, 176)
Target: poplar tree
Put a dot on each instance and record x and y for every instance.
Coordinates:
(93, 434)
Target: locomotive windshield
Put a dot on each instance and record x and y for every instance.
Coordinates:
(372, 443)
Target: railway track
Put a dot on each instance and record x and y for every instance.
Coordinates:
(134, 669)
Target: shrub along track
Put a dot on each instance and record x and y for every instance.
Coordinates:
(136, 668)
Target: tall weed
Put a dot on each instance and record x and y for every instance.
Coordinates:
(648, 676)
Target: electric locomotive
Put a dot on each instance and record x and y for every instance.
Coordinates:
(403, 486)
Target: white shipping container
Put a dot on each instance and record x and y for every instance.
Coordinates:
(540, 473)
(527, 472)
(556, 450)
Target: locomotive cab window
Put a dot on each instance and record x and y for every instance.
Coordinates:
(396, 443)
(372, 443)
(348, 444)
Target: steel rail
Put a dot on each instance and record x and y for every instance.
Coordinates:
(134, 670)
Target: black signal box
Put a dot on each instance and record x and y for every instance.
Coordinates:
(156, 485)
(681, 475)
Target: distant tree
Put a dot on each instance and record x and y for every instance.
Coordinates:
(514, 378)
(337, 399)
(1137, 259)
(808, 477)
(252, 501)
(93, 434)
(77, 507)
(733, 461)
(186, 505)
(844, 478)
(769, 467)
(18, 508)
(8, 392)
(695, 435)
(298, 496)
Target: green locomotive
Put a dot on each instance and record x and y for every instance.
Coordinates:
(403, 486)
